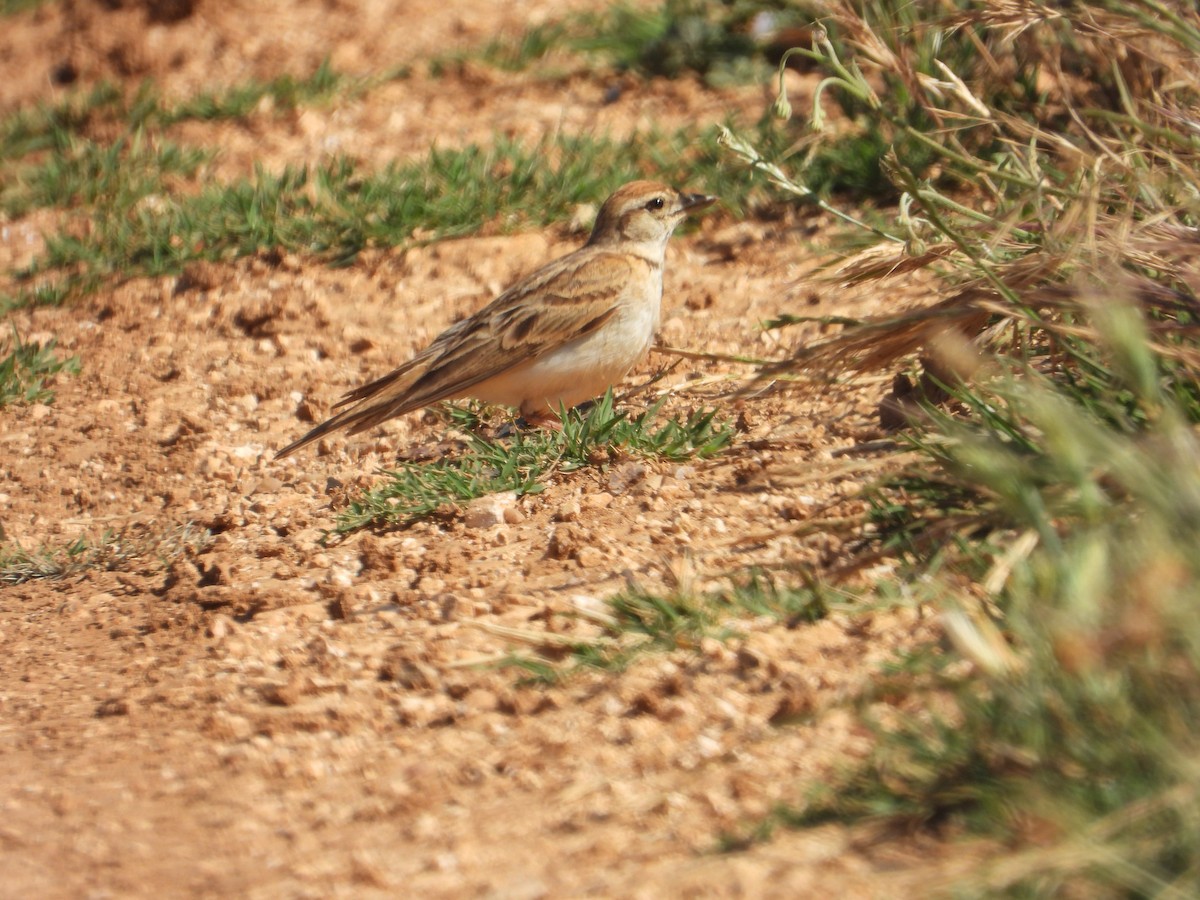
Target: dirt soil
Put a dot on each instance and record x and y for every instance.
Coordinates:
(269, 716)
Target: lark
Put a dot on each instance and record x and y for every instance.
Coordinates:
(561, 336)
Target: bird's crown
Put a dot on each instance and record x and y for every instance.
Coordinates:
(644, 211)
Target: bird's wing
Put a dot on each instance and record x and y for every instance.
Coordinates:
(564, 301)
(556, 305)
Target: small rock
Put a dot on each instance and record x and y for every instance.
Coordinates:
(589, 557)
(797, 705)
(410, 668)
(591, 607)
(601, 500)
(340, 576)
(223, 726)
(169, 437)
(305, 412)
(419, 711)
(481, 700)
(485, 512)
(86, 607)
(621, 478)
(707, 746)
(287, 694)
(268, 485)
(221, 627)
(113, 706)
(568, 512)
(748, 659)
(430, 585)
(566, 541)
(291, 616)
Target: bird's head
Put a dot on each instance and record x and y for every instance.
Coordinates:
(644, 212)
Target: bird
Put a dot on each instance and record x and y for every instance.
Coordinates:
(555, 339)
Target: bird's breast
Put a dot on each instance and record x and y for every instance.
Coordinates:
(583, 368)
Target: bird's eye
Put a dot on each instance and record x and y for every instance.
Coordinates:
(656, 203)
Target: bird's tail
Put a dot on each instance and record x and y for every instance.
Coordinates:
(375, 402)
(340, 420)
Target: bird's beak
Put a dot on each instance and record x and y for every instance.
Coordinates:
(692, 202)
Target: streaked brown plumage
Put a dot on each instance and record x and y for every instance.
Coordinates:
(560, 336)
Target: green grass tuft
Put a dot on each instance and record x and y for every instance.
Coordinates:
(104, 107)
(507, 53)
(26, 368)
(524, 461)
(55, 126)
(636, 622)
(679, 37)
(285, 92)
(707, 38)
(1083, 719)
(12, 7)
(110, 551)
(85, 174)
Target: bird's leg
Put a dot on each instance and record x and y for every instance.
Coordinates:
(540, 418)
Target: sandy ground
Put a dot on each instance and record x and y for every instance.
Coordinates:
(265, 715)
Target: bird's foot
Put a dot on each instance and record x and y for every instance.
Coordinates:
(541, 419)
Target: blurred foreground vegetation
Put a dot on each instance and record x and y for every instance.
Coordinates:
(1046, 158)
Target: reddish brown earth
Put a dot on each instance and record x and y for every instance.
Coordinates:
(266, 716)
